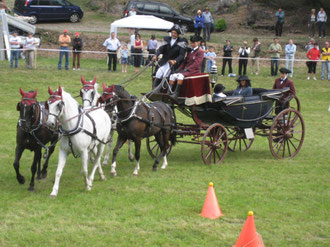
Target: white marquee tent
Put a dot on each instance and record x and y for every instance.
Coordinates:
(148, 22)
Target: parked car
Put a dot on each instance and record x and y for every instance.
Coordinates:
(160, 10)
(47, 10)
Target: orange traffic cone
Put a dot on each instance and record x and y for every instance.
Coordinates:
(211, 208)
(249, 237)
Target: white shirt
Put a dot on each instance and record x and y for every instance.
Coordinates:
(29, 43)
(132, 39)
(15, 39)
(173, 41)
(112, 44)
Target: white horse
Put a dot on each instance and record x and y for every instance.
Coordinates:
(90, 95)
(81, 131)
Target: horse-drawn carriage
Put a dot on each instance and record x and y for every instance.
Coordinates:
(232, 123)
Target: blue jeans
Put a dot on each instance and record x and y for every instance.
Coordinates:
(274, 64)
(14, 55)
(64, 50)
(209, 65)
(325, 66)
(289, 63)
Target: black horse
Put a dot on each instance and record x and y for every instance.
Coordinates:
(33, 135)
(136, 120)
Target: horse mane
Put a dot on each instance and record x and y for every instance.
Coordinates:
(121, 92)
(67, 97)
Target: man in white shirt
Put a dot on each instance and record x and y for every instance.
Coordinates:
(112, 44)
(290, 50)
(15, 44)
(132, 12)
(322, 20)
(29, 47)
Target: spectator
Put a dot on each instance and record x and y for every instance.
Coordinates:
(275, 49)
(227, 50)
(313, 55)
(208, 20)
(325, 60)
(152, 47)
(64, 41)
(77, 45)
(280, 21)
(132, 41)
(138, 46)
(218, 92)
(29, 47)
(244, 86)
(15, 44)
(132, 12)
(322, 20)
(290, 51)
(210, 55)
(255, 51)
(312, 23)
(199, 23)
(243, 52)
(4, 6)
(124, 58)
(112, 44)
(205, 50)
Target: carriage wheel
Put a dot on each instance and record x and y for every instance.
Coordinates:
(153, 148)
(287, 134)
(214, 144)
(237, 140)
(295, 103)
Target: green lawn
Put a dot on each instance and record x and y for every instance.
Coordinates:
(290, 198)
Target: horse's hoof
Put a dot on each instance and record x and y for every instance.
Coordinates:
(113, 174)
(155, 169)
(103, 178)
(38, 177)
(52, 195)
(43, 175)
(88, 188)
(31, 188)
(135, 174)
(104, 163)
(131, 158)
(163, 167)
(21, 180)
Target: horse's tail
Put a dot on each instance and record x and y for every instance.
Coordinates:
(173, 128)
(173, 137)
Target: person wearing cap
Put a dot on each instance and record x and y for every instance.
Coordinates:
(77, 45)
(281, 83)
(325, 58)
(173, 51)
(208, 20)
(244, 86)
(15, 44)
(199, 23)
(29, 48)
(218, 92)
(191, 65)
(112, 44)
(64, 41)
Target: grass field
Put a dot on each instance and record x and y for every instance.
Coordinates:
(290, 198)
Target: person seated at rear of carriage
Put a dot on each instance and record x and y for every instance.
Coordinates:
(280, 83)
(244, 86)
(218, 92)
(190, 66)
(173, 50)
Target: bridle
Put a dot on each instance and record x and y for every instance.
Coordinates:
(35, 114)
(52, 99)
(86, 88)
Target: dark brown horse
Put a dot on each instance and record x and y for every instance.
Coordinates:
(136, 120)
(33, 135)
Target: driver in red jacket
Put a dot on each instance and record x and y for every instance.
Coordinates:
(190, 66)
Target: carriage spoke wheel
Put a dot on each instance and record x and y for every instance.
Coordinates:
(287, 134)
(154, 149)
(295, 103)
(214, 144)
(237, 140)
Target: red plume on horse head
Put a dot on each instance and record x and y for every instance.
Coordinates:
(93, 82)
(22, 92)
(51, 92)
(104, 86)
(59, 90)
(83, 81)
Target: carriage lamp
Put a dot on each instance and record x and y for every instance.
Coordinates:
(213, 75)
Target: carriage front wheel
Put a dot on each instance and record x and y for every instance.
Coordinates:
(286, 134)
(154, 149)
(214, 144)
(237, 140)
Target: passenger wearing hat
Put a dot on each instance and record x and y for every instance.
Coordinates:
(218, 92)
(77, 45)
(64, 41)
(284, 82)
(15, 44)
(191, 65)
(244, 86)
(29, 48)
(173, 51)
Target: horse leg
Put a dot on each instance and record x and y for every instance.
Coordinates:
(120, 141)
(97, 164)
(130, 151)
(137, 156)
(62, 155)
(38, 167)
(84, 171)
(159, 138)
(167, 145)
(18, 154)
(36, 162)
(107, 154)
(45, 165)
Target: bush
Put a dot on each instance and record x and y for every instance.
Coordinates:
(220, 25)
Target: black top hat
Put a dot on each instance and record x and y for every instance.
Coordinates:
(243, 78)
(285, 70)
(219, 88)
(176, 28)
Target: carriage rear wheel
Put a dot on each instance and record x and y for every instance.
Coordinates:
(214, 144)
(154, 149)
(237, 140)
(287, 134)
